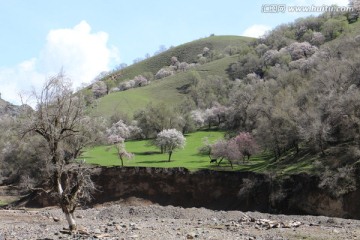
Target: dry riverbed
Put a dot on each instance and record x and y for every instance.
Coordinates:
(138, 219)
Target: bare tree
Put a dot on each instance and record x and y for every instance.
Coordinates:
(59, 119)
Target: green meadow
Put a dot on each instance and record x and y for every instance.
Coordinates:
(147, 155)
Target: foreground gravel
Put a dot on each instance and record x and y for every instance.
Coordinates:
(137, 219)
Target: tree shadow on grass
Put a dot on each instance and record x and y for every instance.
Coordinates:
(154, 161)
(147, 153)
(199, 161)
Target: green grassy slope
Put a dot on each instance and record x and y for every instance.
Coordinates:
(167, 89)
(163, 90)
(185, 53)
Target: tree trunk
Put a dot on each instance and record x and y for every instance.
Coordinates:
(71, 221)
(231, 164)
(122, 161)
(220, 161)
(68, 215)
(170, 153)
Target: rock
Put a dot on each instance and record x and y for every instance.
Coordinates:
(105, 235)
(56, 219)
(65, 232)
(131, 211)
(83, 232)
(295, 224)
(190, 235)
(97, 231)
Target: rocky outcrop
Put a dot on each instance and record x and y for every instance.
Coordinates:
(246, 191)
(8, 109)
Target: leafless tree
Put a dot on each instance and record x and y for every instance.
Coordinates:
(59, 119)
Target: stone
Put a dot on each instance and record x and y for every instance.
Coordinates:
(105, 235)
(191, 235)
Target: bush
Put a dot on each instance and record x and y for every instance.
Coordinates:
(164, 72)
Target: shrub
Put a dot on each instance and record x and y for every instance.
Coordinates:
(164, 72)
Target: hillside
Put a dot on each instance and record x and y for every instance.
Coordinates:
(9, 109)
(185, 53)
(297, 93)
(168, 89)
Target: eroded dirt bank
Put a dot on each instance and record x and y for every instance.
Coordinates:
(246, 191)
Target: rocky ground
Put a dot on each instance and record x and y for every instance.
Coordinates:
(139, 219)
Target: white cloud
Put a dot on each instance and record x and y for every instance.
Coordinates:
(19, 80)
(79, 52)
(256, 30)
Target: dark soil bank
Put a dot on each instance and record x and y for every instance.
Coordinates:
(246, 191)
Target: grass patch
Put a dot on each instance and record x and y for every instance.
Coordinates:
(132, 100)
(149, 156)
(5, 200)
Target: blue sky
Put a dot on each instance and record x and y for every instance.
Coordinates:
(86, 37)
